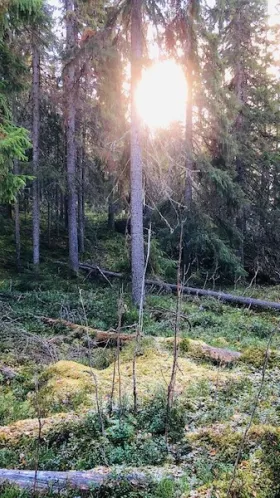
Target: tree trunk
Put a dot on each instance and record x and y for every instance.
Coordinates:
(189, 109)
(17, 222)
(57, 221)
(35, 139)
(81, 200)
(97, 336)
(70, 93)
(240, 173)
(136, 181)
(189, 147)
(49, 222)
(84, 480)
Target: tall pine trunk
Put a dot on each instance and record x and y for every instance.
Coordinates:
(189, 56)
(189, 144)
(81, 197)
(239, 166)
(70, 94)
(36, 152)
(136, 181)
(17, 222)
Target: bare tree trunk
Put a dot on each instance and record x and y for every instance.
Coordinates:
(49, 222)
(136, 181)
(189, 57)
(17, 222)
(57, 209)
(35, 139)
(241, 100)
(57, 481)
(70, 87)
(81, 200)
(189, 133)
(189, 147)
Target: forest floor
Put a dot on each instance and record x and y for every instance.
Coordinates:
(53, 377)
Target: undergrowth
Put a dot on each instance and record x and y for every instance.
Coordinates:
(212, 406)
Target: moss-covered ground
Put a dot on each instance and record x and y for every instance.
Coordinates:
(59, 374)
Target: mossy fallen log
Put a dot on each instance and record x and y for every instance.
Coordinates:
(221, 296)
(99, 336)
(203, 350)
(57, 481)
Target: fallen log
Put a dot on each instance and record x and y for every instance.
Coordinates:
(221, 296)
(99, 336)
(219, 355)
(81, 480)
(201, 350)
(97, 269)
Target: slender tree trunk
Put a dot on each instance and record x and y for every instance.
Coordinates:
(81, 220)
(136, 181)
(35, 139)
(70, 107)
(241, 100)
(189, 57)
(17, 222)
(49, 222)
(57, 209)
(189, 145)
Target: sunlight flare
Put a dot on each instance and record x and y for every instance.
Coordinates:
(162, 93)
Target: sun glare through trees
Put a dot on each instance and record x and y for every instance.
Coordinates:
(162, 94)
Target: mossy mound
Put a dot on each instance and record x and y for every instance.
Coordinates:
(65, 385)
(255, 356)
(69, 384)
(12, 433)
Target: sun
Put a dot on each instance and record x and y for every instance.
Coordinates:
(162, 94)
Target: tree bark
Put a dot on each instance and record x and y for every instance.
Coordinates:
(83, 480)
(36, 151)
(99, 336)
(49, 222)
(57, 221)
(81, 196)
(136, 180)
(241, 100)
(189, 48)
(70, 93)
(17, 222)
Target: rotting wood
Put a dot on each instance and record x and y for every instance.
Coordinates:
(205, 351)
(82, 480)
(221, 296)
(99, 336)
(223, 356)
